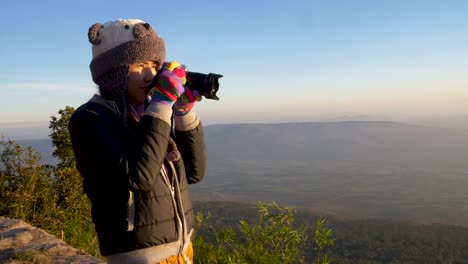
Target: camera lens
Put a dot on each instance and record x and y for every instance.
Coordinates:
(206, 84)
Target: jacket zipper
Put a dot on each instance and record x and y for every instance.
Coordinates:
(174, 202)
(180, 209)
(131, 212)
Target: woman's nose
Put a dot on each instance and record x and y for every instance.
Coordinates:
(149, 74)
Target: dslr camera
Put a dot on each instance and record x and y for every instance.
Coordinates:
(207, 85)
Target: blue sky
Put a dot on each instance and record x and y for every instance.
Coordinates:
(281, 60)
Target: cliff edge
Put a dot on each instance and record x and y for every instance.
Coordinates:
(22, 243)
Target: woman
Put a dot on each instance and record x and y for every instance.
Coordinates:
(135, 166)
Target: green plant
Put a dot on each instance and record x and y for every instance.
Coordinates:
(272, 238)
(26, 186)
(322, 240)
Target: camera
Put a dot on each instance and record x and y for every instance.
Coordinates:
(206, 84)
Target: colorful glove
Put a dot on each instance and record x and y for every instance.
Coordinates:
(186, 102)
(170, 84)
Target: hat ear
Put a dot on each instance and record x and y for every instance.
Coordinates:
(93, 33)
(141, 30)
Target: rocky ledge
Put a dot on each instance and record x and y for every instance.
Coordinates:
(22, 243)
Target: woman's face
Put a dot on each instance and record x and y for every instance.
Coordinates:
(140, 76)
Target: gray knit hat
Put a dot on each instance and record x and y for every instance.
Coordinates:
(116, 45)
(123, 42)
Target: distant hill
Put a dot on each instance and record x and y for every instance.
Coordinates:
(361, 169)
(355, 169)
(25, 130)
(370, 141)
(43, 146)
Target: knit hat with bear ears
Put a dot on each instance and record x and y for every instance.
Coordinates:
(116, 45)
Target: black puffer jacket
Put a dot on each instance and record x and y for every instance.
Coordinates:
(133, 203)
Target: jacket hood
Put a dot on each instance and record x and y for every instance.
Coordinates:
(110, 105)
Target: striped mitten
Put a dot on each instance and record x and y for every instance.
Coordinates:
(170, 84)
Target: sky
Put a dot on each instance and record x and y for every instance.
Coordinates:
(280, 60)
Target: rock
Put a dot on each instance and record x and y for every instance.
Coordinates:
(21, 243)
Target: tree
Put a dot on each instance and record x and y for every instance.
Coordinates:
(77, 228)
(26, 186)
(61, 138)
(68, 179)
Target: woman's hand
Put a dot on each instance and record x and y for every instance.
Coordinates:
(170, 84)
(186, 102)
